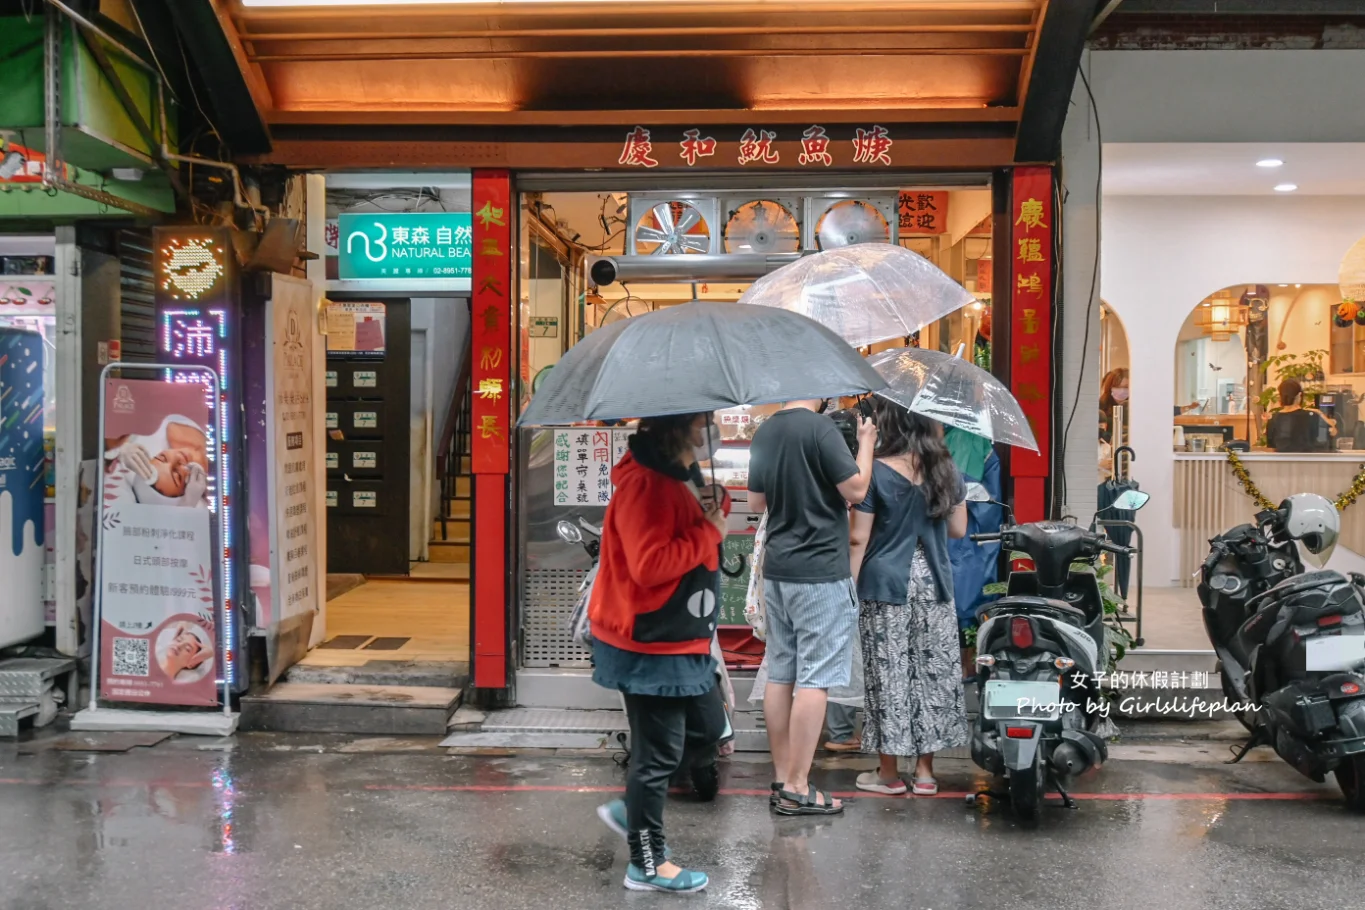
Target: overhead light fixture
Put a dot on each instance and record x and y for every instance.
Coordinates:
(1286, 187)
(1269, 162)
(287, 3)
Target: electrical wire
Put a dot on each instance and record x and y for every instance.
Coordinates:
(1095, 268)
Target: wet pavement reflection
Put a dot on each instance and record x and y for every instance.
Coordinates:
(262, 823)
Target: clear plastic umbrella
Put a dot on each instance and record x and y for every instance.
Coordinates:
(954, 392)
(865, 293)
(698, 357)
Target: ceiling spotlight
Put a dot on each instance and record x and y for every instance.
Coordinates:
(1269, 162)
(1286, 187)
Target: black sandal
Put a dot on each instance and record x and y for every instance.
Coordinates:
(806, 804)
(774, 798)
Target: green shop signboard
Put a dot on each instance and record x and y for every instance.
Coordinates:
(407, 245)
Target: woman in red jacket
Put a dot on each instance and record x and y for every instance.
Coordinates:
(653, 613)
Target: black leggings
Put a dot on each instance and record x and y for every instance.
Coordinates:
(665, 734)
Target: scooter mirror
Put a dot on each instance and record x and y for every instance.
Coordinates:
(1130, 500)
(568, 532)
(977, 493)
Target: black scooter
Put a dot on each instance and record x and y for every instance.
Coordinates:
(1290, 645)
(1040, 650)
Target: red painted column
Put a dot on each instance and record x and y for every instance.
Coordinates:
(1031, 254)
(492, 318)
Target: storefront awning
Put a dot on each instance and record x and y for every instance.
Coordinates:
(345, 84)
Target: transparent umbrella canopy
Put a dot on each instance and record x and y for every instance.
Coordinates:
(864, 293)
(698, 357)
(954, 392)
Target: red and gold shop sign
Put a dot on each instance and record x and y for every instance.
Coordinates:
(815, 146)
(1030, 253)
(923, 213)
(491, 328)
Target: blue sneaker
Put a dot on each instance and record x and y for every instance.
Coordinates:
(613, 815)
(687, 881)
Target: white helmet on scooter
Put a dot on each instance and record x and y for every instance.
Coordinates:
(1313, 522)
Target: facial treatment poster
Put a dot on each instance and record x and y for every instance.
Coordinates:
(157, 632)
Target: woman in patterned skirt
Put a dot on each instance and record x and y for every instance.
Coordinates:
(914, 703)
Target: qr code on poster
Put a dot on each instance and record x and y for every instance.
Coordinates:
(130, 656)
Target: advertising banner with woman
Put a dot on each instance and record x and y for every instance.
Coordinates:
(157, 631)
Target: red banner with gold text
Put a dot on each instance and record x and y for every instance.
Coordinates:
(491, 328)
(1031, 253)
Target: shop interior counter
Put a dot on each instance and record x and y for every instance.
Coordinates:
(1209, 498)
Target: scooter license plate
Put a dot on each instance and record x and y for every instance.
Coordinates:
(1005, 699)
(1334, 652)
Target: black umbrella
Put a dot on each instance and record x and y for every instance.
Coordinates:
(698, 357)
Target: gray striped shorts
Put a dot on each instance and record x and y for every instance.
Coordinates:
(810, 632)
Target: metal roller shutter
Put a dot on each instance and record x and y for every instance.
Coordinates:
(137, 306)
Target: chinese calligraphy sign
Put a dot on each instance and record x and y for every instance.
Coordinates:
(872, 146)
(816, 146)
(492, 325)
(758, 146)
(922, 212)
(638, 150)
(694, 147)
(583, 459)
(1030, 248)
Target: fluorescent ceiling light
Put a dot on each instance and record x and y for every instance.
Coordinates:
(1286, 187)
(1269, 162)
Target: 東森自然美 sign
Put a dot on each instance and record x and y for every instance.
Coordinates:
(405, 245)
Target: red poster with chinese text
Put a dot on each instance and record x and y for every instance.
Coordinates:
(923, 212)
(491, 326)
(1030, 251)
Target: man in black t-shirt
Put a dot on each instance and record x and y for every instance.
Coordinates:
(801, 472)
(1295, 428)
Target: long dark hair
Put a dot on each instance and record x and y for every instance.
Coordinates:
(902, 432)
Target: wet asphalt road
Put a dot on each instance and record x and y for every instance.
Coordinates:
(262, 823)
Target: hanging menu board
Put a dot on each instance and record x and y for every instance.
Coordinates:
(584, 457)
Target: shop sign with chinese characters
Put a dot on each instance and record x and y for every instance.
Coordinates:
(584, 458)
(492, 322)
(923, 212)
(1031, 311)
(815, 146)
(404, 245)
